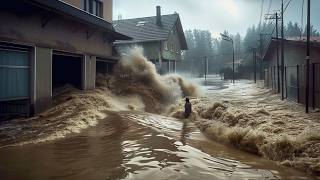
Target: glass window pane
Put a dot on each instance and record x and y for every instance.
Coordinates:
(14, 82)
(86, 5)
(13, 58)
(94, 7)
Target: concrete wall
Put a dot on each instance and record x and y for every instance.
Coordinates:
(59, 34)
(107, 7)
(43, 78)
(89, 72)
(295, 54)
(76, 3)
(107, 10)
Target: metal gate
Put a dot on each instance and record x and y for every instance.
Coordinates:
(292, 82)
(14, 81)
(316, 85)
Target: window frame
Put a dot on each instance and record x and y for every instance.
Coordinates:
(94, 7)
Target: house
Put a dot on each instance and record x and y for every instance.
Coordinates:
(161, 37)
(294, 69)
(45, 44)
(237, 63)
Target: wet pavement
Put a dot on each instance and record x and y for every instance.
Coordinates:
(137, 145)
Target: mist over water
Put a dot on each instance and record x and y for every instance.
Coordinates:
(129, 127)
(133, 85)
(134, 74)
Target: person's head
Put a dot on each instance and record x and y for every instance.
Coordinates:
(187, 100)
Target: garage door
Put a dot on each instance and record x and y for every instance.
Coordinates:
(14, 81)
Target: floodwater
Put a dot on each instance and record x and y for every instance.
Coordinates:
(137, 145)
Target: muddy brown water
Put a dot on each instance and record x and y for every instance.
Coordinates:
(136, 145)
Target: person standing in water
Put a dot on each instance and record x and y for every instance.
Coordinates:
(187, 108)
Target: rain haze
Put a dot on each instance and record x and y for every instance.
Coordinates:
(160, 89)
(217, 15)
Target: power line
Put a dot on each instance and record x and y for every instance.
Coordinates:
(261, 12)
(302, 9)
(269, 8)
(270, 4)
(289, 1)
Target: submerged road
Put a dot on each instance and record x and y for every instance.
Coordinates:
(137, 145)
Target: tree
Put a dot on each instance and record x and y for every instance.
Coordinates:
(313, 31)
(292, 30)
(251, 39)
(237, 44)
(200, 44)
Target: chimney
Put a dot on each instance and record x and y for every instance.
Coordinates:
(159, 23)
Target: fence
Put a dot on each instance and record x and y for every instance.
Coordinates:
(294, 82)
(271, 78)
(316, 85)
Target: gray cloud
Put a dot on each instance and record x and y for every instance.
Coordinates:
(214, 15)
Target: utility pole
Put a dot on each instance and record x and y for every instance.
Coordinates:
(229, 39)
(277, 38)
(192, 70)
(261, 60)
(254, 65)
(276, 17)
(282, 53)
(232, 62)
(205, 67)
(308, 58)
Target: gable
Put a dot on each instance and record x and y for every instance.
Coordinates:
(146, 30)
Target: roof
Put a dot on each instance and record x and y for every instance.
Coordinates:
(314, 42)
(313, 39)
(63, 9)
(237, 61)
(149, 30)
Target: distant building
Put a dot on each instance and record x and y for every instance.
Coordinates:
(45, 44)
(295, 65)
(237, 63)
(161, 36)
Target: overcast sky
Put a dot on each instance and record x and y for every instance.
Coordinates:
(215, 15)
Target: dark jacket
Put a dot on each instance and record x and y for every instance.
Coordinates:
(187, 109)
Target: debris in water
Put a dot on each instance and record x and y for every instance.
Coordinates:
(134, 74)
(134, 85)
(254, 119)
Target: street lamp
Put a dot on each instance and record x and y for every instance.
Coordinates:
(229, 39)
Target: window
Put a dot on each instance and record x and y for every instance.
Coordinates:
(14, 75)
(94, 7)
(166, 45)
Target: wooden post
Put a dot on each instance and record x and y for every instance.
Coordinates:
(255, 65)
(285, 82)
(271, 78)
(298, 84)
(274, 76)
(277, 37)
(282, 52)
(313, 87)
